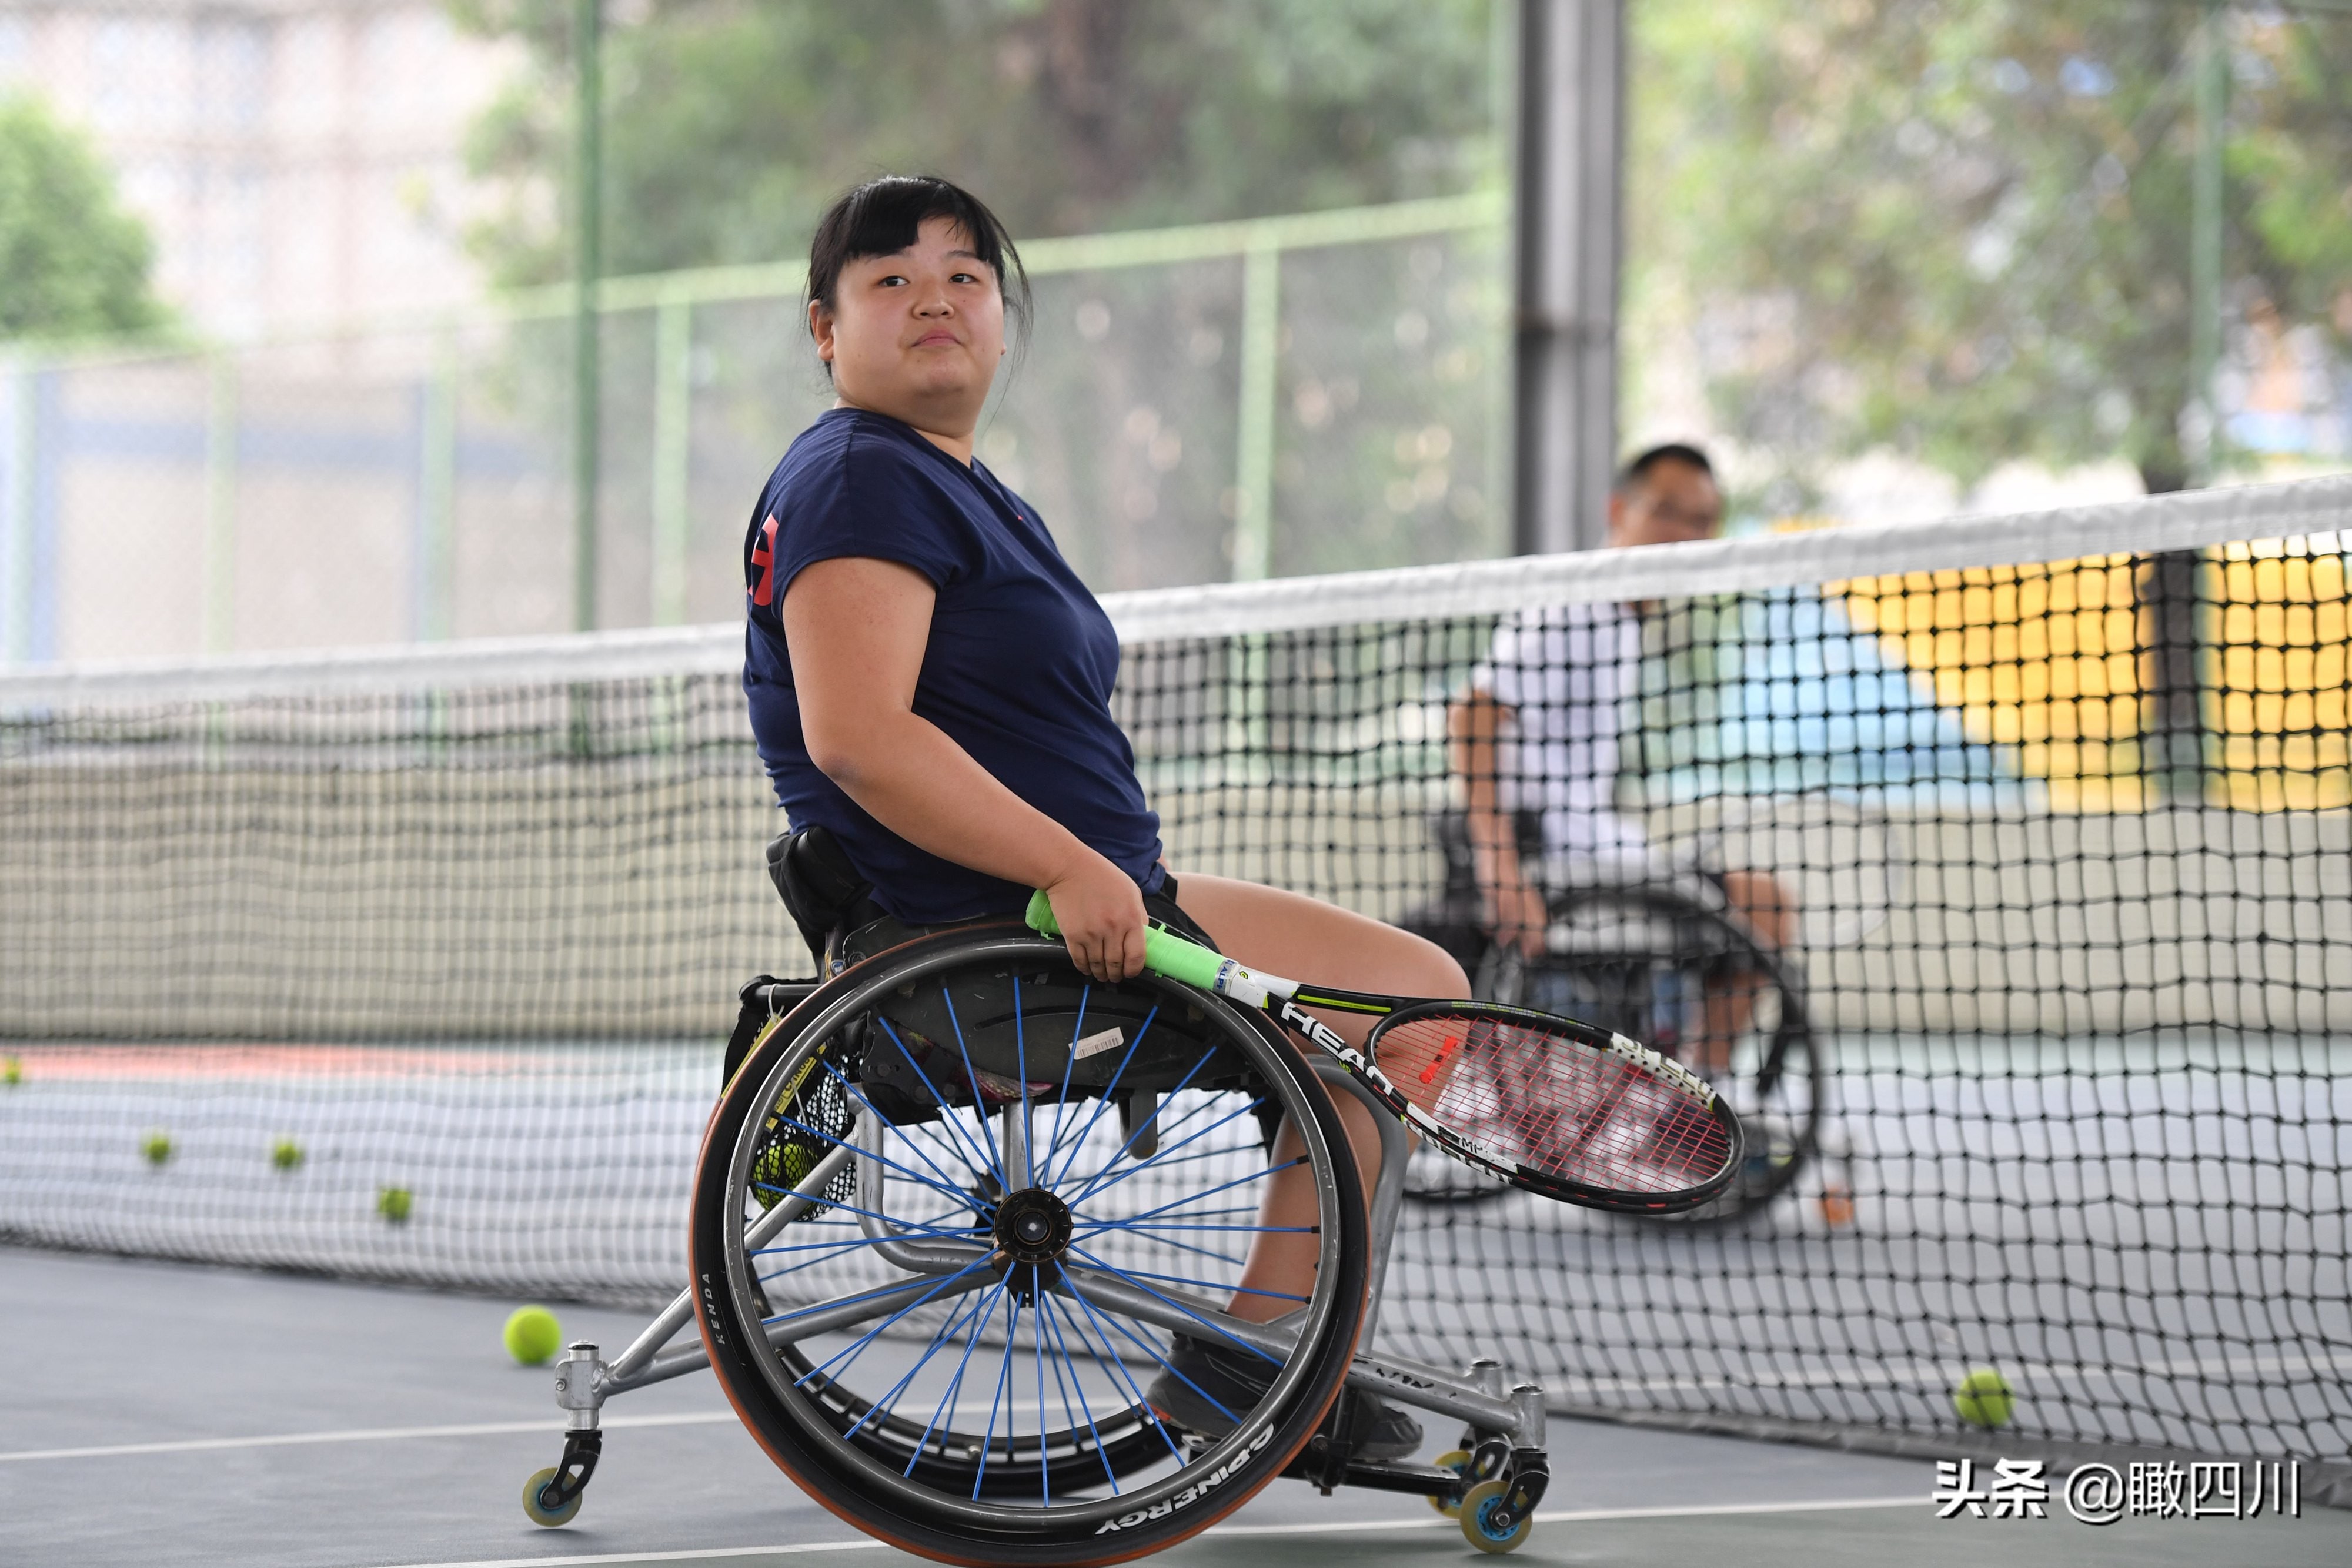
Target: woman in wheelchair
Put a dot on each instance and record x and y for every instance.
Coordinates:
(930, 684)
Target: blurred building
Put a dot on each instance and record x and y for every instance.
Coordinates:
(298, 160)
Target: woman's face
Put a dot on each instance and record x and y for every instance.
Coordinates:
(916, 335)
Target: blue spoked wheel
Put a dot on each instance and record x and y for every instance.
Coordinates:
(1040, 1188)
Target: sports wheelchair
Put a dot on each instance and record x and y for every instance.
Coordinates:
(1664, 958)
(956, 1205)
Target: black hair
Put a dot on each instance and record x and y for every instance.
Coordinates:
(1638, 468)
(881, 217)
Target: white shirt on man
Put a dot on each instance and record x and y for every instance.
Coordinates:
(1569, 673)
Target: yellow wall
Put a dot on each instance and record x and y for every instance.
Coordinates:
(2043, 661)
(2272, 649)
(2054, 663)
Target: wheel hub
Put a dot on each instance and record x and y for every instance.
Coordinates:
(1033, 1231)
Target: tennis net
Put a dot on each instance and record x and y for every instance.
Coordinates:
(1999, 869)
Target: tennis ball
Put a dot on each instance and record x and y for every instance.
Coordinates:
(287, 1154)
(12, 1070)
(157, 1147)
(1984, 1399)
(779, 1167)
(534, 1335)
(393, 1203)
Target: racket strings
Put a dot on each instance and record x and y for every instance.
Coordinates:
(1553, 1103)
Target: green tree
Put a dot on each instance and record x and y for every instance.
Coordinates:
(1963, 230)
(730, 122)
(73, 263)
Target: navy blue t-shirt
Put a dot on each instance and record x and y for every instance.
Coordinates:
(1018, 670)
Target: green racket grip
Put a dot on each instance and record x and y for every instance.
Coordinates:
(1164, 953)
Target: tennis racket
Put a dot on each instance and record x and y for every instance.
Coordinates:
(1552, 1107)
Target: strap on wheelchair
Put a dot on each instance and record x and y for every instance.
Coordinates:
(821, 888)
(762, 998)
(827, 899)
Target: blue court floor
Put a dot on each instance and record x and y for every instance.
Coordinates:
(161, 1414)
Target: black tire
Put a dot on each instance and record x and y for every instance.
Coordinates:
(1627, 956)
(1107, 1481)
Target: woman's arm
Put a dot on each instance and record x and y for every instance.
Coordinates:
(856, 629)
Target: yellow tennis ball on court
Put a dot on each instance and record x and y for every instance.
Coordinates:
(393, 1203)
(534, 1335)
(287, 1154)
(1984, 1399)
(12, 1070)
(157, 1147)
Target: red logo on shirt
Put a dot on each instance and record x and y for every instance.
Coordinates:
(764, 555)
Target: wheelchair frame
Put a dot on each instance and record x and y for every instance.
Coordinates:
(1504, 1422)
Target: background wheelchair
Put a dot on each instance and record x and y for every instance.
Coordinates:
(1666, 960)
(955, 1205)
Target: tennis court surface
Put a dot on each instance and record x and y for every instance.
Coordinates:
(167, 1412)
(410, 969)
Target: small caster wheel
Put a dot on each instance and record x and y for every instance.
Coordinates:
(1456, 1460)
(531, 1489)
(1483, 1528)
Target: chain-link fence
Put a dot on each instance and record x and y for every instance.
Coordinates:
(1237, 400)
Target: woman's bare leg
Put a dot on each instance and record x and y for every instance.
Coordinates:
(1301, 938)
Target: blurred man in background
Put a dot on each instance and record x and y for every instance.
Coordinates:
(1535, 744)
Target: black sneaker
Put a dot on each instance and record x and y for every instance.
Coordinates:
(1206, 1388)
(1383, 1431)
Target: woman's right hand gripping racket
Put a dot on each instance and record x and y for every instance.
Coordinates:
(1550, 1106)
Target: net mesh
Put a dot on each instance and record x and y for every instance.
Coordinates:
(416, 967)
